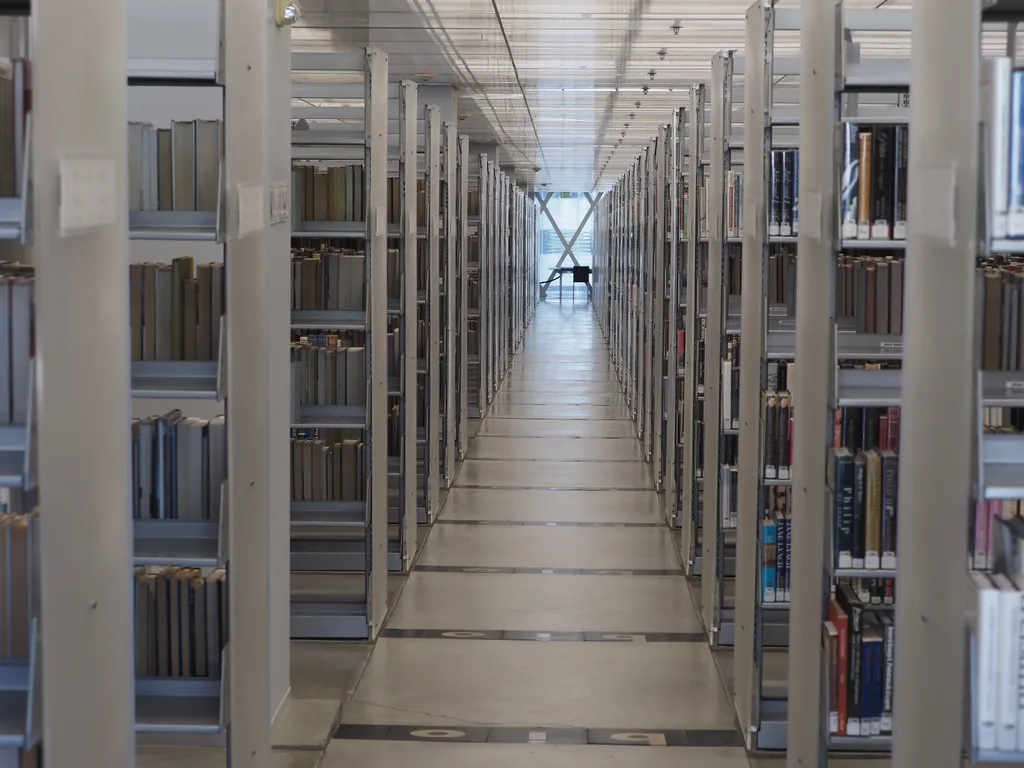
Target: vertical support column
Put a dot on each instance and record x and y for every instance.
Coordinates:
(812, 427)
(376, 101)
(649, 279)
(408, 113)
(278, 323)
(81, 300)
(660, 285)
(674, 159)
(939, 359)
(713, 345)
(246, 278)
(451, 242)
(462, 321)
(485, 323)
(752, 326)
(433, 185)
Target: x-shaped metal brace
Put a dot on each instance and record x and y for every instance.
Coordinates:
(567, 244)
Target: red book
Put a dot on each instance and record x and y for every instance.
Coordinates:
(841, 622)
(837, 428)
(883, 432)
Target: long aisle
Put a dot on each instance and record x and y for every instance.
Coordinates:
(547, 622)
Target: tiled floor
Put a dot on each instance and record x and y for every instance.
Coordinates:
(557, 447)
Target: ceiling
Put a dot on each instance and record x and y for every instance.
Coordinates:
(558, 85)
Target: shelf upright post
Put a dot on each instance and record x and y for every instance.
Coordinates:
(433, 297)
(376, 125)
(690, 509)
(484, 325)
(493, 318)
(674, 159)
(462, 321)
(647, 280)
(658, 300)
(940, 360)
(757, 142)
(451, 241)
(633, 338)
(710, 581)
(814, 375)
(408, 112)
(82, 319)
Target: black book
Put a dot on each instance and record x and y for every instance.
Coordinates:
(888, 669)
(844, 489)
(796, 191)
(883, 172)
(860, 512)
(890, 495)
(901, 169)
(853, 435)
(854, 609)
(771, 420)
(871, 427)
(850, 182)
(786, 213)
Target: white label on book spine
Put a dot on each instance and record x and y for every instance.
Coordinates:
(880, 230)
(889, 561)
(863, 230)
(871, 561)
(785, 230)
(773, 230)
(845, 560)
(783, 473)
(849, 230)
(899, 230)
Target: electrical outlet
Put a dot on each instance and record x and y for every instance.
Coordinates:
(88, 193)
(251, 202)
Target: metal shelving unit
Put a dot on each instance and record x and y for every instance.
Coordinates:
(359, 615)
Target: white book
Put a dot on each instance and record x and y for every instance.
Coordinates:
(1007, 664)
(996, 93)
(1020, 675)
(985, 662)
(216, 463)
(194, 434)
(134, 166)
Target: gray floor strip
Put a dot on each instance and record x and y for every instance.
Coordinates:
(560, 524)
(626, 737)
(550, 636)
(552, 487)
(560, 461)
(550, 571)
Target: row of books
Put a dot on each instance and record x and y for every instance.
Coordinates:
(15, 105)
(1002, 112)
(176, 168)
(999, 288)
(778, 435)
(328, 471)
(873, 189)
(338, 194)
(987, 524)
(733, 203)
(329, 280)
(323, 376)
(859, 643)
(784, 206)
(175, 310)
(181, 622)
(863, 429)
(869, 289)
(178, 467)
(17, 340)
(866, 498)
(776, 546)
(18, 573)
(782, 279)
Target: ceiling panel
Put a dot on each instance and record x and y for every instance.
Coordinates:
(573, 87)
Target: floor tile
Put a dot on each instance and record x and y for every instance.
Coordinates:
(216, 757)
(557, 428)
(559, 398)
(597, 475)
(555, 449)
(305, 723)
(525, 504)
(592, 685)
(541, 547)
(324, 669)
(368, 754)
(552, 603)
(533, 411)
(542, 385)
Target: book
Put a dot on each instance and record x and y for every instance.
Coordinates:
(890, 499)
(830, 646)
(849, 186)
(883, 177)
(844, 487)
(901, 152)
(986, 660)
(1015, 206)
(860, 510)
(769, 563)
(854, 609)
(873, 510)
(838, 617)
(866, 184)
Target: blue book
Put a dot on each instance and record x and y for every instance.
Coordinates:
(769, 560)
(1015, 222)
(871, 675)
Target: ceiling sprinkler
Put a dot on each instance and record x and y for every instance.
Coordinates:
(638, 105)
(646, 90)
(663, 53)
(632, 115)
(651, 73)
(675, 28)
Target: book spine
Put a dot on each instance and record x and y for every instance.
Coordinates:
(1015, 212)
(890, 495)
(883, 169)
(986, 655)
(1008, 664)
(889, 674)
(782, 452)
(844, 473)
(786, 212)
(850, 183)
(864, 141)
(775, 179)
(999, 71)
(770, 433)
(796, 192)
(856, 694)
(769, 543)
(902, 160)
(842, 623)
(893, 417)
(860, 489)
(873, 517)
